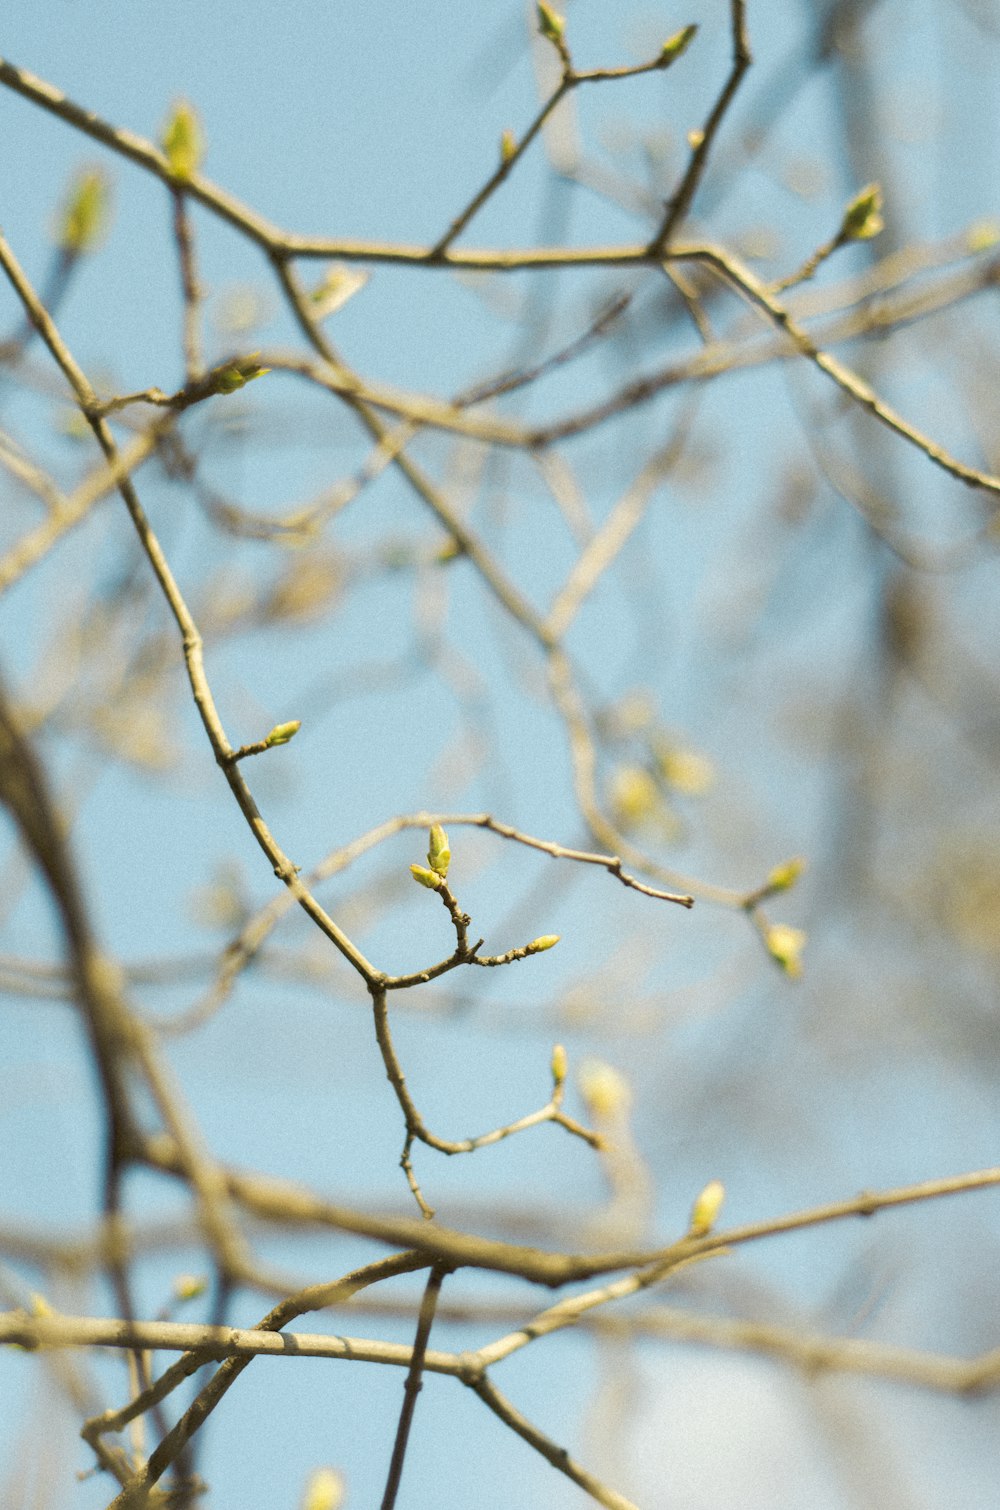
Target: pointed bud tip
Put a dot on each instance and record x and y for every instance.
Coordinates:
(783, 877)
(679, 43)
(605, 1091)
(438, 852)
(85, 214)
(863, 218)
(236, 375)
(785, 946)
(183, 141)
(706, 1208)
(550, 23)
(282, 733)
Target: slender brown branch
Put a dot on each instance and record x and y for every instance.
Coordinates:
(286, 1202)
(193, 646)
(413, 1385)
(191, 292)
(559, 1457)
(680, 202)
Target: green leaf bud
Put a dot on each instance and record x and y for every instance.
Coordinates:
(282, 733)
(559, 1064)
(508, 145)
(85, 214)
(862, 218)
(183, 141)
(237, 374)
(546, 941)
(982, 235)
(685, 770)
(635, 796)
(679, 43)
(785, 945)
(605, 1091)
(428, 878)
(706, 1208)
(550, 24)
(783, 877)
(438, 854)
(189, 1286)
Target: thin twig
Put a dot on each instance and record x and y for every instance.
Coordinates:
(680, 202)
(413, 1385)
(559, 1457)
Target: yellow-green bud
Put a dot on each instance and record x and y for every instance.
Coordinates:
(677, 44)
(685, 770)
(785, 945)
(559, 1064)
(508, 145)
(339, 284)
(982, 235)
(85, 214)
(605, 1091)
(546, 941)
(550, 24)
(39, 1306)
(189, 1286)
(706, 1208)
(428, 878)
(237, 374)
(635, 796)
(862, 218)
(783, 877)
(438, 853)
(182, 140)
(324, 1490)
(282, 733)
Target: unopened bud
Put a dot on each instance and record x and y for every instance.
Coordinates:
(550, 24)
(785, 945)
(428, 878)
(862, 218)
(686, 771)
(546, 941)
(237, 374)
(282, 733)
(438, 853)
(508, 146)
(182, 140)
(605, 1090)
(706, 1208)
(982, 235)
(85, 215)
(189, 1286)
(783, 877)
(559, 1064)
(339, 284)
(324, 1490)
(635, 796)
(675, 45)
